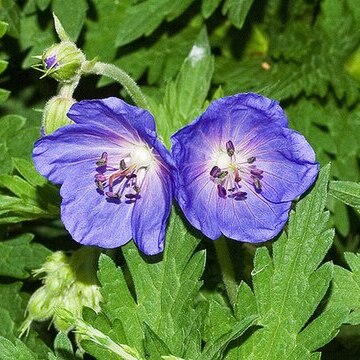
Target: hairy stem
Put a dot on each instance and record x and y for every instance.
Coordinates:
(121, 77)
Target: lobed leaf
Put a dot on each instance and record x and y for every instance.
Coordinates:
(20, 256)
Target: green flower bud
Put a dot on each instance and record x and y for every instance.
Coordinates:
(62, 61)
(55, 113)
(69, 283)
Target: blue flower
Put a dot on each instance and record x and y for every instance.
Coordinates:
(115, 175)
(239, 167)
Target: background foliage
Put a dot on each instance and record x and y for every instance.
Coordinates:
(295, 299)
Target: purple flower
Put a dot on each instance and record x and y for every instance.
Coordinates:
(239, 167)
(115, 175)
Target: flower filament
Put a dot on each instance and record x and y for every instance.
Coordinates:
(229, 173)
(124, 179)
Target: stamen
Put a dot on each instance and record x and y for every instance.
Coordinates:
(257, 184)
(230, 148)
(113, 195)
(251, 159)
(131, 176)
(100, 177)
(122, 164)
(241, 195)
(131, 196)
(215, 171)
(99, 185)
(222, 175)
(103, 160)
(237, 176)
(256, 172)
(221, 191)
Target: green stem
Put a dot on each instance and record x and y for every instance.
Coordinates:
(120, 76)
(67, 89)
(227, 269)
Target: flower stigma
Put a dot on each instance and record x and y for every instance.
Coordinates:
(231, 170)
(126, 177)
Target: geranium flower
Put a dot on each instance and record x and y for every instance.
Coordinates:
(115, 175)
(239, 167)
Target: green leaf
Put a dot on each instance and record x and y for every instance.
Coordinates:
(3, 28)
(165, 294)
(144, 17)
(345, 293)
(33, 197)
(237, 10)
(4, 95)
(169, 50)
(63, 347)
(15, 140)
(10, 13)
(101, 32)
(185, 97)
(166, 290)
(43, 4)
(19, 256)
(214, 350)
(346, 191)
(154, 346)
(208, 7)
(118, 302)
(17, 350)
(71, 15)
(290, 285)
(11, 310)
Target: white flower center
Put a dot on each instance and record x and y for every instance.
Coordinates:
(222, 160)
(141, 156)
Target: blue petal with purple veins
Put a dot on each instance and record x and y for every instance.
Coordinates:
(113, 172)
(239, 167)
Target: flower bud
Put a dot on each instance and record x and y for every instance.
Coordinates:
(62, 61)
(69, 283)
(55, 113)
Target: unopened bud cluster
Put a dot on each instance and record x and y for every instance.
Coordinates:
(69, 283)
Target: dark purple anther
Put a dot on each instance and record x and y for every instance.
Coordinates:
(256, 172)
(112, 195)
(103, 160)
(131, 176)
(241, 195)
(100, 177)
(122, 165)
(230, 148)
(131, 196)
(251, 159)
(215, 171)
(221, 191)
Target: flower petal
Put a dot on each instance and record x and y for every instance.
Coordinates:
(288, 162)
(91, 218)
(62, 154)
(253, 219)
(151, 212)
(227, 118)
(115, 114)
(197, 197)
